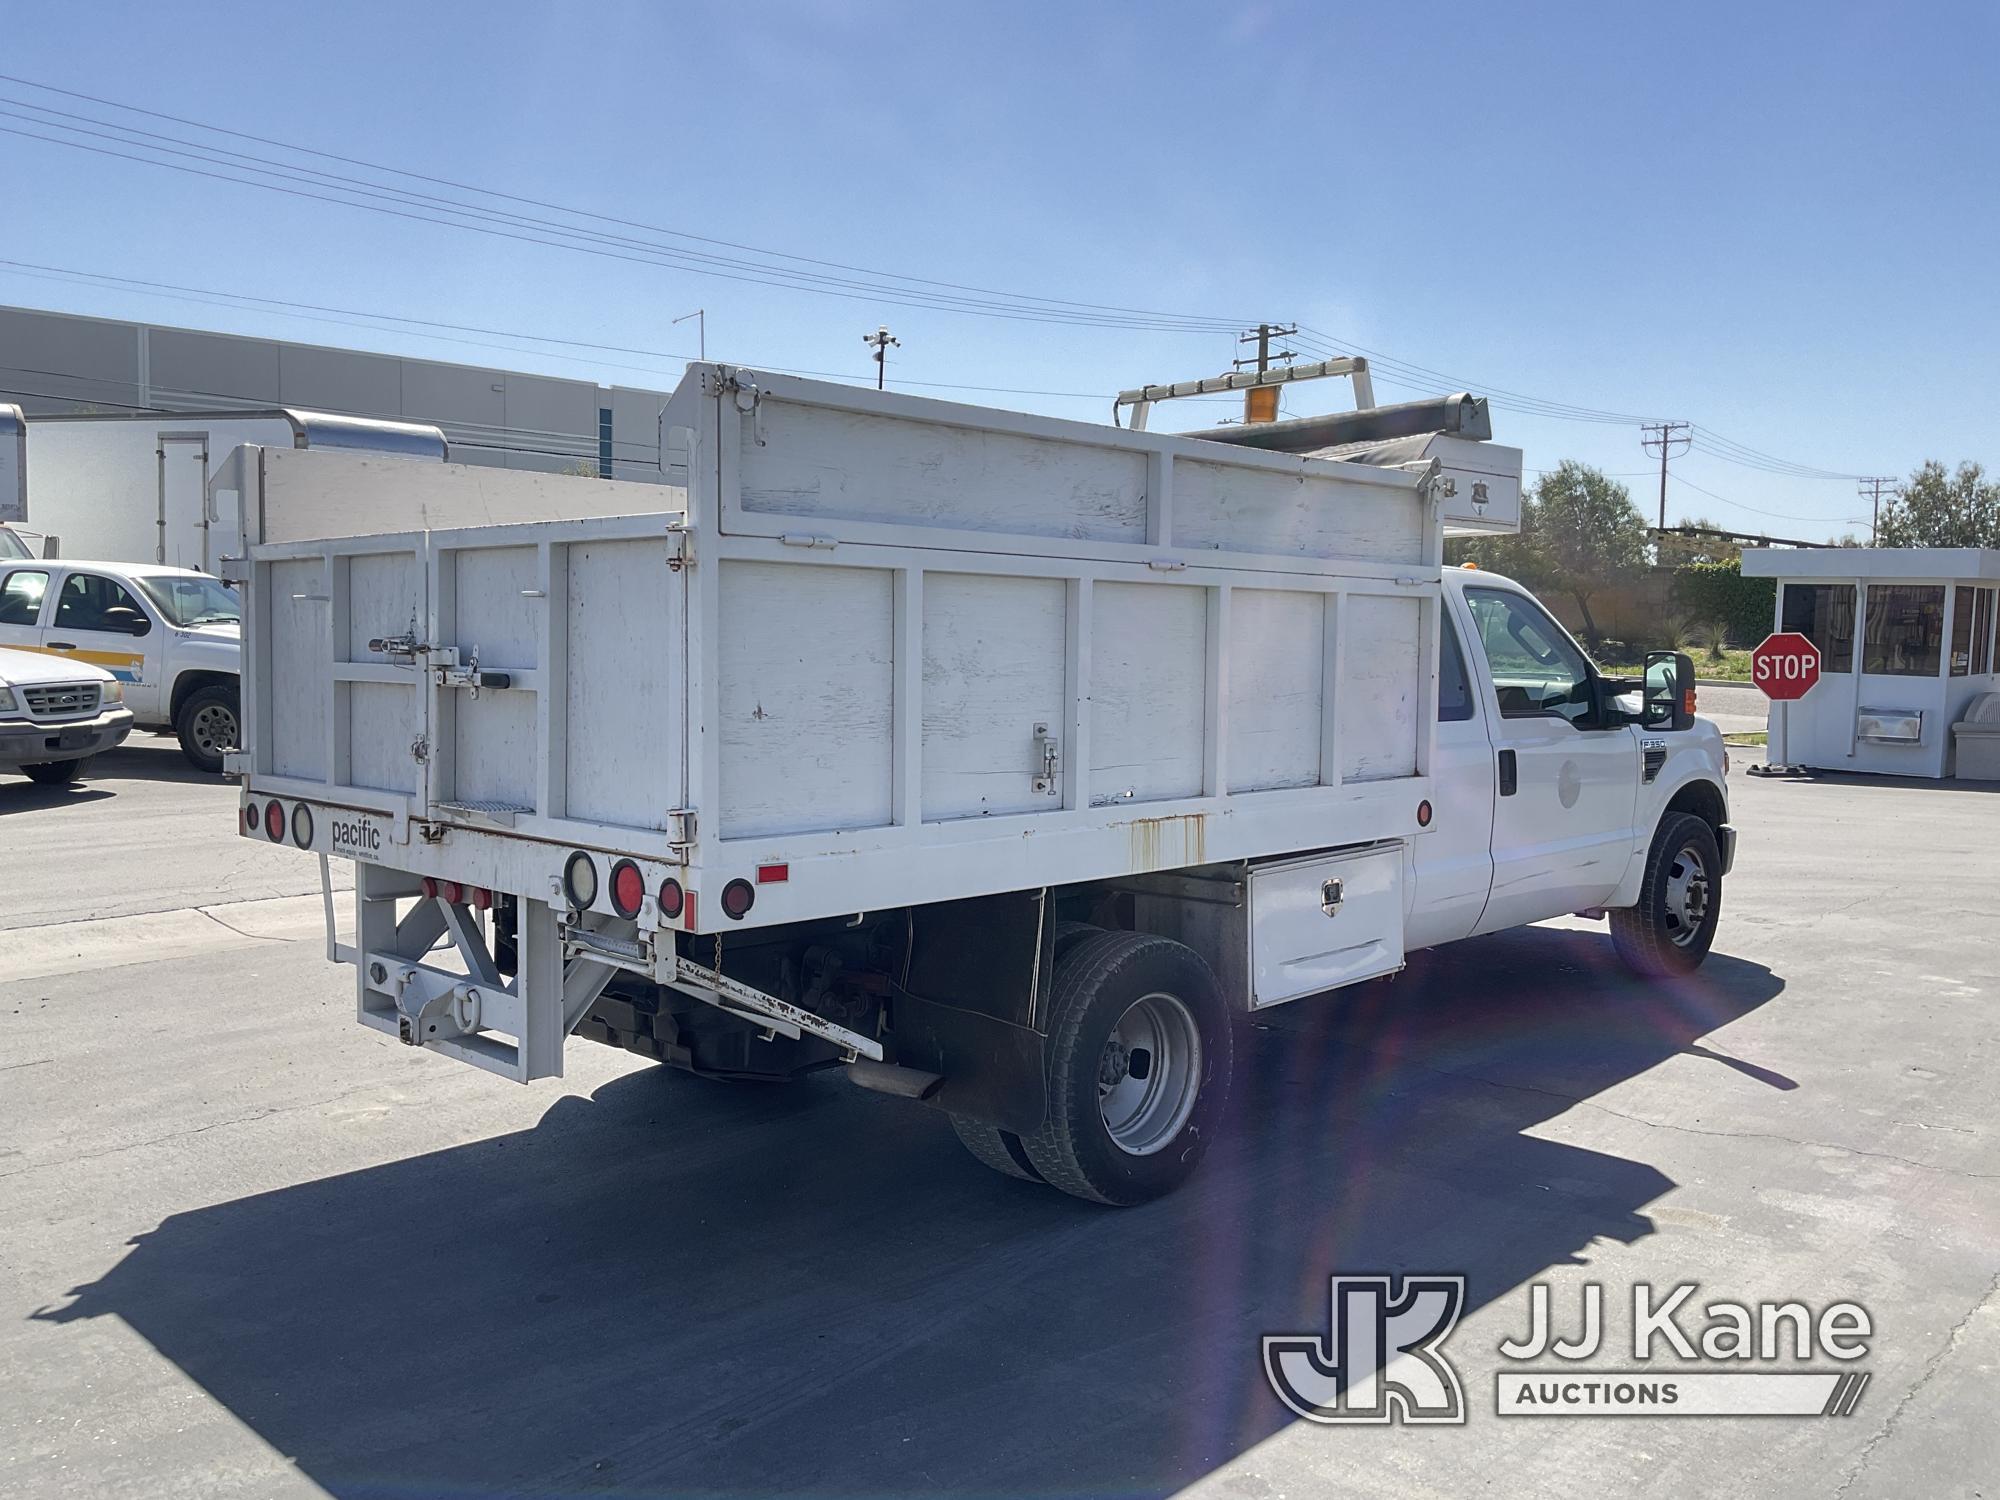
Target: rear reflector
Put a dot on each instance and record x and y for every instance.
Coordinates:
(580, 881)
(452, 891)
(773, 874)
(274, 821)
(737, 899)
(430, 886)
(670, 899)
(628, 888)
(482, 899)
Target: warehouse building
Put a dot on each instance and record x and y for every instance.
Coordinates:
(62, 362)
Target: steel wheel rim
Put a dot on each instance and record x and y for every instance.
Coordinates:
(1688, 895)
(213, 728)
(1149, 1074)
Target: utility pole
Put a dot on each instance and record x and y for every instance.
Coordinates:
(1874, 486)
(1260, 403)
(1661, 438)
(881, 338)
(701, 328)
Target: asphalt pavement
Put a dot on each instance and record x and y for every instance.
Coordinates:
(252, 1249)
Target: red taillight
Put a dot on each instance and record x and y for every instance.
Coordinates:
(1424, 813)
(482, 899)
(628, 888)
(251, 817)
(430, 886)
(670, 898)
(274, 821)
(452, 891)
(773, 874)
(737, 899)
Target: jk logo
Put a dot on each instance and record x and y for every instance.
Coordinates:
(1381, 1362)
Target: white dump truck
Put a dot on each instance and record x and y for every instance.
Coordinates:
(999, 761)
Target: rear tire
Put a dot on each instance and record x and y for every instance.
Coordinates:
(1671, 929)
(209, 723)
(58, 772)
(999, 1149)
(1139, 1048)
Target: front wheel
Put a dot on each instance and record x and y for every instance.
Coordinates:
(1139, 1060)
(208, 725)
(1672, 928)
(57, 772)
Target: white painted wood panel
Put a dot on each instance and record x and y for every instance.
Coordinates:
(299, 677)
(993, 658)
(622, 765)
(806, 657)
(384, 721)
(1381, 671)
(1277, 652)
(496, 612)
(813, 462)
(1305, 513)
(1148, 684)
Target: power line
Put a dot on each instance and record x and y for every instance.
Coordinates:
(1660, 438)
(386, 198)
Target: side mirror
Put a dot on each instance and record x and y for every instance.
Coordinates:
(1669, 693)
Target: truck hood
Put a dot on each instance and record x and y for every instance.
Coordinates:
(227, 634)
(30, 668)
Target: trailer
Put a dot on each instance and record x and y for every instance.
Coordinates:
(134, 487)
(997, 760)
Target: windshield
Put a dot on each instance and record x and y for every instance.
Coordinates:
(12, 546)
(193, 601)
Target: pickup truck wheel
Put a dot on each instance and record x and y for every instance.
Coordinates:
(999, 1149)
(1680, 901)
(58, 772)
(1139, 1046)
(207, 725)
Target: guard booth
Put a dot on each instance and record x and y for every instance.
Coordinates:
(1906, 643)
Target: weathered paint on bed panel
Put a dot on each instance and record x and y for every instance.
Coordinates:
(1276, 703)
(806, 657)
(299, 676)
(993, 670)
(622, 684)
(489, 739)
(1228, 508)
(820, 463)
(1148, 691)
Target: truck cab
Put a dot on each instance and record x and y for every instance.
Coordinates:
(169, 636)
(1551, 778)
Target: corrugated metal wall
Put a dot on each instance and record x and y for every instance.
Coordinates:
(60, 362)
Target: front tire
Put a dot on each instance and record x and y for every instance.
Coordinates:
(1139, 1047)
(209, 723)
(996, 1148)
(1671, 929)
(57, 772)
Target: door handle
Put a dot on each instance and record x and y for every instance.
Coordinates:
(1510, 774)
(62, 645)
(1331, 895)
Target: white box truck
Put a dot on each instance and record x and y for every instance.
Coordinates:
(997, 760)
(134, 487)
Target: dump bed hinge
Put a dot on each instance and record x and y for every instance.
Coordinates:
(680, 548)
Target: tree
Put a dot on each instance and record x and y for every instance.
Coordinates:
(1672, 549)
(1937, 509)
(1580, 535)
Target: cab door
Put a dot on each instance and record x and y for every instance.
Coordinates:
(1566, 790)
(1452, 860)
(98, 620)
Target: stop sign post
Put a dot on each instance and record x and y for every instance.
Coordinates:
(1785, 667)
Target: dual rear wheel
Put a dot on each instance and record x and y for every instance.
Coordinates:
(1139, 1061)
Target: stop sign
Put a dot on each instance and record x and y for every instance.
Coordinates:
(1785, 666)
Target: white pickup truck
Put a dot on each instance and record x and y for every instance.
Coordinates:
(169, 635)
(997, 760)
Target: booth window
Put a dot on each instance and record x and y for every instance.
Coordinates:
(1972, 631)
(1905, 629)
(1824, 614)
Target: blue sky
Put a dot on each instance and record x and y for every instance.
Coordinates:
(1778, 221)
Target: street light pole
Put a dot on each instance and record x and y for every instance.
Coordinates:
(700, 314)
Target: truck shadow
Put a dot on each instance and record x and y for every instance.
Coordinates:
(677, 1286)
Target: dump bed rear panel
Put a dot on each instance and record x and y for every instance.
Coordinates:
(879, 651)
